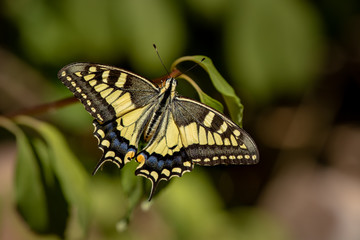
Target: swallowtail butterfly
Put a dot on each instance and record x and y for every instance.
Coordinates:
(179, 132)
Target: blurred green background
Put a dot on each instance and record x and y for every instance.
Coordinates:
(295, 65)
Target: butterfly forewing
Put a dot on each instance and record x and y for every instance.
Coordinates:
(107, 92)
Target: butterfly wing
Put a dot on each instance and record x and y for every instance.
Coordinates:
(119, 139)
(210, 138)
(164, 156)
(192, 133)
(120, 101)
(107, 92)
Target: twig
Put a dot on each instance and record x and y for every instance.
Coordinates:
(42, 108)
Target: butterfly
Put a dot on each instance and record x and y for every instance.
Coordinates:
(179, 132)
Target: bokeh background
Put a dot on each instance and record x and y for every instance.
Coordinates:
(295, 65)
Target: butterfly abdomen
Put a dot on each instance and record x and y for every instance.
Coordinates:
(153, 124)
(163, 101)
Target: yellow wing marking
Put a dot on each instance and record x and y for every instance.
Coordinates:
(233, 140)
(169, 140)
(211, 140)
(89, 77)
(105, 76)
(208, 119)
(130, 121)
(93, 69)
(236, 132)
(100, 87)
(93, 82)
(113, 97)
(123, 105)
(243, 146)
(218, 139)
(189, 134)
(223, 127)
(121, 80)
(106, 92)
(202, 136)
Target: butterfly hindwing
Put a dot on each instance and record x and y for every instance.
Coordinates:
(107, 92)
(164, 156)
(209, 137)
(119, 139)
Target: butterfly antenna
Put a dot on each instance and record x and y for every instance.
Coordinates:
(162, 63)
(191, 68)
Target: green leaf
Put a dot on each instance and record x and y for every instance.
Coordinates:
(73, 179)
(231, 99)
(29, 192)
(56, 206)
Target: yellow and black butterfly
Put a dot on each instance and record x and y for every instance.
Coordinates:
(179, 132)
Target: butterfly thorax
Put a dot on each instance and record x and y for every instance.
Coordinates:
(166, 95)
